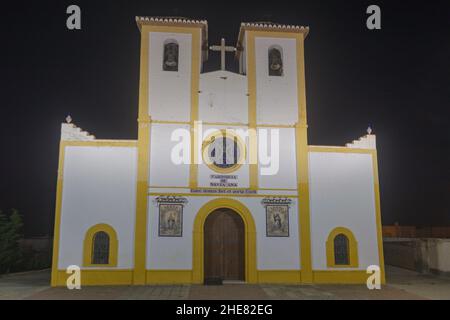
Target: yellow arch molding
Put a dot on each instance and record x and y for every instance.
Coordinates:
(224, 133)
(353, 248)
(198, 238)
(88, 243)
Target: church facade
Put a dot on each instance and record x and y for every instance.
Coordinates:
(221, 183)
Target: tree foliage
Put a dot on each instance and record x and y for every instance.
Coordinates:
(10, 234)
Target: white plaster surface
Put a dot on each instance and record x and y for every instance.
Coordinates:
(99, 186)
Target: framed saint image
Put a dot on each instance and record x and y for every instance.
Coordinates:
(277, 221)
(170, 220)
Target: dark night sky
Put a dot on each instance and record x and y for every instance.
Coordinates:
(397, 79)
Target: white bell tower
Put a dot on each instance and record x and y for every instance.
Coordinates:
(170, 74)
(272, 57)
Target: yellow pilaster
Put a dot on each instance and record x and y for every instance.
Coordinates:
(301, 138)
(378, 215)
(252, 123)
(195, 84)
(303, 202)
(143, 147)
(56, 232)
(139, 273)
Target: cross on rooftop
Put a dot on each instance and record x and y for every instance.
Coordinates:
(222, 48)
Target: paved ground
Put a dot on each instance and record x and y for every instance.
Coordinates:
(402, 284)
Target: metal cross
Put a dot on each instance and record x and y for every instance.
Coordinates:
(222, 48)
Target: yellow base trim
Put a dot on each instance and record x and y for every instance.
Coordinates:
(279, 276)
(169, 276)
(104, 277)
(100, 277)
(340, 277)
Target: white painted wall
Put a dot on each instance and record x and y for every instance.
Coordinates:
(176, 253)
(223, 97)
(99, 186)
(169, 91)
(286, 177)
(276, 97)
(342, 195)
(163, 172)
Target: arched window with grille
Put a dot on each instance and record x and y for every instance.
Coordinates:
(275, 61)
(170, 56)
(100, 247)
(342, 249)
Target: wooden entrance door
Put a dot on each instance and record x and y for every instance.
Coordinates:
(224, 246)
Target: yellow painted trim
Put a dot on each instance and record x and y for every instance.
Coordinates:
(275, 126)
(88, 245)
(279, 276)
(231, 124)
(168, 187)
(340, 276)
(193, 167)
(100, 143)
(171, 122)
(251, 78)
(338, 149)
(195, 85)
(159, 277)
(221, 195)
(277, 33)
(144, 123)
(234, 124)
(301, 145)
(301, 138)
(98, 277)
(198, 238)
(378, 216)
(301, 86)
(352, 248)
(273, 34)
(277, 189)
(218, 188)
(57, 226)
(230, 135)
(252, 115)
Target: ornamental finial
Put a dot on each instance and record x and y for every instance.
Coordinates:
(369, 130)
(69, 119)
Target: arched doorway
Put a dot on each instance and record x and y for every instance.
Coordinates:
(224, 246)
(198, 237)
